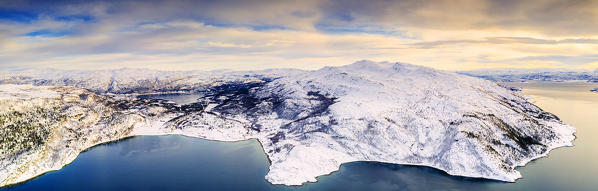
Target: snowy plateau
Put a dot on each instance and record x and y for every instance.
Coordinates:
(308, 122)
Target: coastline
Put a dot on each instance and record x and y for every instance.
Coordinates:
(116, 141)
(153, 127)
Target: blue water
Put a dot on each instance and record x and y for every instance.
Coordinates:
(161, 163)
(183, 163)
(179, 98)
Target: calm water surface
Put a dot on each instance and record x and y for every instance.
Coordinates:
(179, 98)
(183, 163)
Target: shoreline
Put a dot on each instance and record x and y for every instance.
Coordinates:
(260, 145)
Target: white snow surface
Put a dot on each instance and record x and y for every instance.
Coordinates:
(11, 91)
(368, 111)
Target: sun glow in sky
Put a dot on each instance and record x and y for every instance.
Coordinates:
(242, 35)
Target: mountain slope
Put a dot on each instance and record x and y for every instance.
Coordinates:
(311, 123)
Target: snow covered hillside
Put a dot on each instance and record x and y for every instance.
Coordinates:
(134, 81)
(310, 122)
(44, 128)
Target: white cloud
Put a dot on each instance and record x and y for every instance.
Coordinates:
(264, 34)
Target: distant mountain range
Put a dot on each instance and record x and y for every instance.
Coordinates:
(129, 80)
(511, 75)
(139, 81)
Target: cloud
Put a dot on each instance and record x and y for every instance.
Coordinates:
(544, 16)
(504, 40)
(552, 17)
(309, 34)
(567, 60)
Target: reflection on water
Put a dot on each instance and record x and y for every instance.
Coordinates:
(182, 163)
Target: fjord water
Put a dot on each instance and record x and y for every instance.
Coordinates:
(183, 163)
(179, 98)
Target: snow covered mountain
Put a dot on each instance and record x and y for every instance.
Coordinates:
(511, 75)
(134, 81)
(310, 122)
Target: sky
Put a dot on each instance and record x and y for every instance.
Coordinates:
(305, 34)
